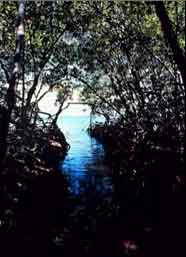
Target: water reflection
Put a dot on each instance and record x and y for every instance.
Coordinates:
(84, 165)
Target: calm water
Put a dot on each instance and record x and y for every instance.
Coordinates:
(84, 165)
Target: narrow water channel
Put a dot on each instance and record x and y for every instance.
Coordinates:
(84, 165)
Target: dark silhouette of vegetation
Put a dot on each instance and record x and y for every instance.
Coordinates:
(10, 98)
(128, 58)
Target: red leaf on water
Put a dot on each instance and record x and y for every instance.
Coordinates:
(129, 245)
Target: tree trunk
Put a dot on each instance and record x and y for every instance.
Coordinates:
(11, 94)
(171, 38)
(54, 122)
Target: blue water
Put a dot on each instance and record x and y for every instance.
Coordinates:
(84, 164)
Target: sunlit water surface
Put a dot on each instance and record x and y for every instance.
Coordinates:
(84, 165)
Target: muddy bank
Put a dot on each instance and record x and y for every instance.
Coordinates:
(142, 150)
(33, 193)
